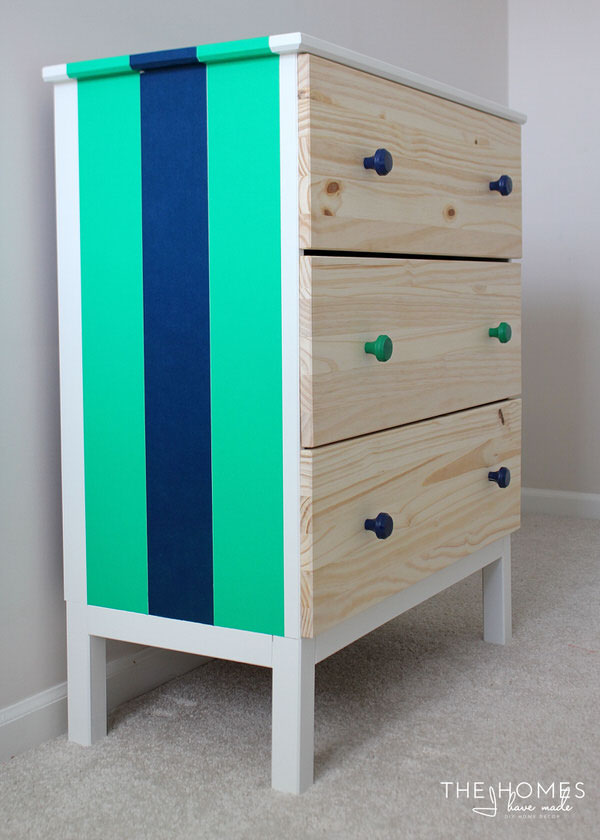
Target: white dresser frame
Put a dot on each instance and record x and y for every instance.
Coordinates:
(292, 660)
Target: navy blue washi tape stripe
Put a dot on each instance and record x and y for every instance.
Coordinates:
(177, 342)
(163, 58)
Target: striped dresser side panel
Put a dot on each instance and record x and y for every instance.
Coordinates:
(246, 353)
(177, 342)
(182, 342)
(112, 341)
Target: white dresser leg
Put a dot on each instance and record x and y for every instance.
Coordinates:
(293, 723)
(497, 609)
(86, 671)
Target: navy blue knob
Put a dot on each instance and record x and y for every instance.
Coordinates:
(381, 162)
(503, 185)
(502, 477)
(382, 525)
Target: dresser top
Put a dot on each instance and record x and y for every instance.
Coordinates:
(293, 42)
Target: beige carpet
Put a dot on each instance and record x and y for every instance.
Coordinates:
(420, 701)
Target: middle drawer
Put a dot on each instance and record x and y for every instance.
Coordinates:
(434, 316)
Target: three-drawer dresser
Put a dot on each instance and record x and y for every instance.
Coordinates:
(289, 358)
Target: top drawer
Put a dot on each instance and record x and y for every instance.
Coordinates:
(435, 200)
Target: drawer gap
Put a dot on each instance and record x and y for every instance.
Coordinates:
(504, 400)
(316, 252)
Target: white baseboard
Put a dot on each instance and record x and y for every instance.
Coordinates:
(43, 716)
(561, 503)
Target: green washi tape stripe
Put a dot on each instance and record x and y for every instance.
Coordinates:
(99, 67)
(232, 50)
(245, 343)
(113, 342)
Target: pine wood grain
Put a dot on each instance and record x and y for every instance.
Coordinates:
(436, 199)
(437, 314)
(431, 477)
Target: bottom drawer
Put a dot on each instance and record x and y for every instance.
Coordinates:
(431, 478)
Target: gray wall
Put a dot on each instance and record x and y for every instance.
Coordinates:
(554, 72)
(462, 43)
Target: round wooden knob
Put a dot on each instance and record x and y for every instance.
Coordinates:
(382, 526)
(503, 332)
(382, 162)
(501, 477)
(503, 185)
(382, 348)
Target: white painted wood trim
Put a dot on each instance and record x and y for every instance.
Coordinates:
(497, 602)
(290, 320)
(29, 705)
(560, 503)
(298, 42)
(55, 73)
(69, 330)
(86, 680)
(292, 751)
(42, 716)
(32, 721)
(359, 625)
(185, 636)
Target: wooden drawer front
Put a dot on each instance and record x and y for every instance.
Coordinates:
(431, 478)
(436, 199)
(438, 314)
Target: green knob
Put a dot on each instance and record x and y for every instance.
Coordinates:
(382, 348)
(502, 332)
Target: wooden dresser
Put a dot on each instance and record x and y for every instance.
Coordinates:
(290, 358)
